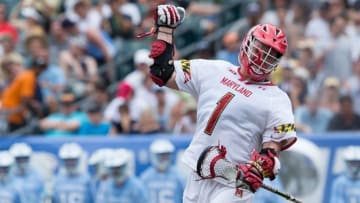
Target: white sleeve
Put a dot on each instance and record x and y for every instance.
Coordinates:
(190, 74)
(280, 125)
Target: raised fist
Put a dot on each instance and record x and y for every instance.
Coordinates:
(169, 15)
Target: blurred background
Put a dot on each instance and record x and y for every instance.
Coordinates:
(73, 71)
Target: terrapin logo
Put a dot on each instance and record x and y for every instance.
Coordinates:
(185, 65)
(284, 128)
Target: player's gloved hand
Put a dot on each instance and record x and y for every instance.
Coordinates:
(262, 165)
(169, 16)
(248, 178)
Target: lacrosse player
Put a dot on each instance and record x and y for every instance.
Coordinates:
(238, 106)
(346, 187)
(8, 190)
(162, 180)
(72, 184)
(99, 171)
(121, 186)
(27, 179)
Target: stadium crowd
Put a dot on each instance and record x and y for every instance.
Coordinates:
(60, 62)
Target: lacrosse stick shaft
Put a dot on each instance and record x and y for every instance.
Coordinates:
(276, 191)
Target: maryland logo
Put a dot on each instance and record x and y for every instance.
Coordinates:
(284, 128)
(185, 65)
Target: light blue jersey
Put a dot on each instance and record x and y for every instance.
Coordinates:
(345, 190)
(72, 189)
(163, 187)
(264, 196)
(31, 186)
(131, 191)
(9, 193)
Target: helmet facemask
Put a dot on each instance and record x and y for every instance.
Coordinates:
(262, 58)
(22, 164)
(161, 161)
(71, 166)
(119, 173)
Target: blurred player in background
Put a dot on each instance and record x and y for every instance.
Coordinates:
(121, 186)
(99, 171)
(72, 184)
(238, 107)
(27, 179)
(9, 193)
(161, 179)
(346, 187)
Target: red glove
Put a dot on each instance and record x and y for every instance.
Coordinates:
(169, 16)
(248, 178)
(262, 165)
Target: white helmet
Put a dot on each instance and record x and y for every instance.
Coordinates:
(118, 164)
(161, 151)
(20, 149)
(6, 161)
(22, 153)
(71, 153)
(351, 157)
(97, 160)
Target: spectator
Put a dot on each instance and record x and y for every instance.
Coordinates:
(125, 124)
(253, 15)
(18, 98)
(95, 125)
(71, 182)
(84, 16)
(166, 100)
(122, 186)
(8, 45)
(231, 43)
(80, 69)
(126, 96)
(318, 27)
(118, 25)
(346, 119)
(310, 118)
(330, 94)
(336, 52)
(142, 62)
(67, 121)
(8, 190)
(99, 44)
(27, 179)
(51, 81)
(187, 123)
(352, 85)
(5, 27)
(147, 123)
(162, 176)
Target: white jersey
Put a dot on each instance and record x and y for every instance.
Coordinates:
(237, 114)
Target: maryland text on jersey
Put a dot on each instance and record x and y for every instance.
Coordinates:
(235, 86)
(284, 128)
(185, 65)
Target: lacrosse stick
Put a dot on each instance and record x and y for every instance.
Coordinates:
(212, 163)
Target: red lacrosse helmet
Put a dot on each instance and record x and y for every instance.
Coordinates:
(261, 50)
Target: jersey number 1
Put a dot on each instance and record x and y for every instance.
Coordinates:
(221, 104)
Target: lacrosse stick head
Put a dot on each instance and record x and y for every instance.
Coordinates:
(212, 163)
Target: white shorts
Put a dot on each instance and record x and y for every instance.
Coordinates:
(211, 191)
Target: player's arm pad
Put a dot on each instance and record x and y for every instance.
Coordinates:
(163, 68)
